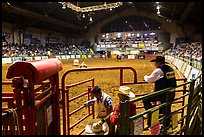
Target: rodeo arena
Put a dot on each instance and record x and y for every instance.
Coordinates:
(101, 68)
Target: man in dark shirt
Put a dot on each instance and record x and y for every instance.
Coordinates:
(163, 77)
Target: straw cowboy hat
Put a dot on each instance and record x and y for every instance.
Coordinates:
(126, 91)
(93, 129)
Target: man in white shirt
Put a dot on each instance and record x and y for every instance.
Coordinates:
(104, 106)
(163, 77)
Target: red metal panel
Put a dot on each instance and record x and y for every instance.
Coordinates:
(7, 94)
(65, 94)
(37, 70)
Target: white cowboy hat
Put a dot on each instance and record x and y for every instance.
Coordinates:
(93, 129)
(126, 91)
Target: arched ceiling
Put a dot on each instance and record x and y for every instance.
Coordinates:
(51, 16)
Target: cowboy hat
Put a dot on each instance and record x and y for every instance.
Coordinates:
(126, 91)
(96, 128)
(93, 129)
(160, 59)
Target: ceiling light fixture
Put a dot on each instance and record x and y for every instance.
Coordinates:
(83, 15)
(90, 19)
(91, 8)
(158, 8)
(8, 3)
(158, 12)
(63, 7)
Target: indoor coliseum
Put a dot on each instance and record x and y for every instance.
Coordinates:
(101, 68)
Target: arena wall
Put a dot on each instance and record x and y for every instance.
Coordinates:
(188, 70)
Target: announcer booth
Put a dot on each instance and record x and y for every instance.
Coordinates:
(36, 89)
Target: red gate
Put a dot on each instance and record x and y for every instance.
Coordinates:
(36, 97)
(65, 94)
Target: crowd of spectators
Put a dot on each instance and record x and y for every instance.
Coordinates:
(16, 50)
(191, 50)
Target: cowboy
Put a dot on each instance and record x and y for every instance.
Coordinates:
(163, 77)
(104, 106)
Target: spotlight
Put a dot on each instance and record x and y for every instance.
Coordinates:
(158, 7)
(83, 15)
(158, 12)
(63, 7)
(90, 19)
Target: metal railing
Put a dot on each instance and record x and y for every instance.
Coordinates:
(191, 61)
(66, 110)
(19, 109)
(125, 107)
(194, 110)
(66, 99)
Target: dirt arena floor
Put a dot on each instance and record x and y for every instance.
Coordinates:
(108, 80)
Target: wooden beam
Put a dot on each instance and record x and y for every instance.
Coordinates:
(26, 13)
(188, 9)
